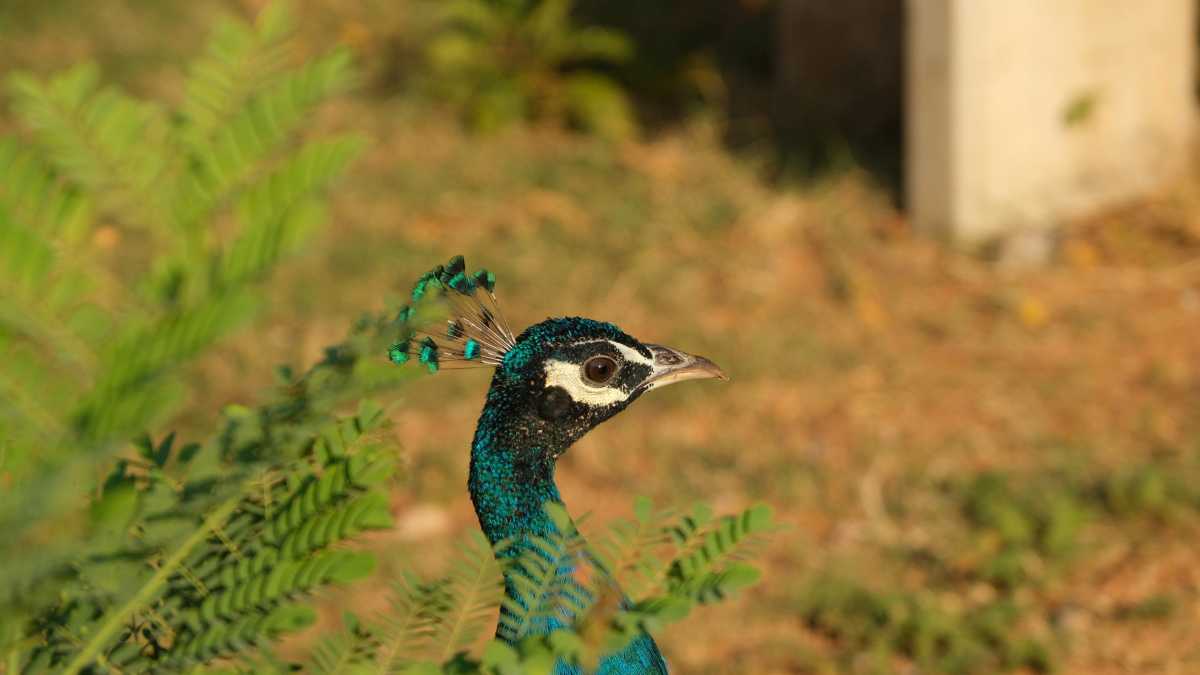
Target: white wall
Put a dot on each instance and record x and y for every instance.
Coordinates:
(991, 85)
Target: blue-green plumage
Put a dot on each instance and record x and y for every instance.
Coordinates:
(552, 384)
(513, 460)
(398, 353)
(429, 354)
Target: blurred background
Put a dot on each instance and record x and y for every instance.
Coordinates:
(947, 253)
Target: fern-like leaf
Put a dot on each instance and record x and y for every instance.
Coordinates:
(544, 591)
(239, 62)
(406, 630)
(101, 139)
(474, 589)
(33, 195)
(259, 128)
(350, 652)
(277, 211)
(711, 569)
(626, 551)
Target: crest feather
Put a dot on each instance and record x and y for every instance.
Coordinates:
(469, 331)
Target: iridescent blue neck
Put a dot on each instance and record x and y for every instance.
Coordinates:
(510, 482)
(511, 479)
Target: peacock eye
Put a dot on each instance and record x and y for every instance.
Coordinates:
(599, 369)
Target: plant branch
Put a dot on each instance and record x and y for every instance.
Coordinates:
(115, 620)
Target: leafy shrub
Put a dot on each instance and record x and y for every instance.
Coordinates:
(667, 563)
(1140, 489)
(504, 61)
(979, 639)
(1042, 516)
(1040, 520)
(133, 236)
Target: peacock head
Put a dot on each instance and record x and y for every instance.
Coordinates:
(567, 375)
(556, 380)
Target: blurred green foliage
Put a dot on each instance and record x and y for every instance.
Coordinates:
(1016, 523)
(133, 236)
(1027, 526)
(716, 56)
(202, 551)
(507, 61)
(880, 624)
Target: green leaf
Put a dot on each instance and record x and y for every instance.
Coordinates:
(114, 146)
(240, 61)
(350, 567)
(598, 105)
(643, 508)
(500, 657)
(115, 510)
(475, 589)
(503, 63)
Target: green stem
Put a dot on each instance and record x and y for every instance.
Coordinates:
(118, 618)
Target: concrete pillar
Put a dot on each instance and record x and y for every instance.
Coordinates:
(1021, 113)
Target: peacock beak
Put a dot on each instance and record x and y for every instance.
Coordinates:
(671, 366)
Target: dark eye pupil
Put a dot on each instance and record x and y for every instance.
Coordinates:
(600, 369)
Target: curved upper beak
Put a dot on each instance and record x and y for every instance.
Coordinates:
(671, 366)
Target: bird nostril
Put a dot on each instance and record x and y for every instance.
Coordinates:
(666, 357)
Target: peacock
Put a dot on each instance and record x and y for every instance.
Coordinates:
(552, 384)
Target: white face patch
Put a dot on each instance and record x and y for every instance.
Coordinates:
(569, 376)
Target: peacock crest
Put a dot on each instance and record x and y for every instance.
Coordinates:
(453, 320)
